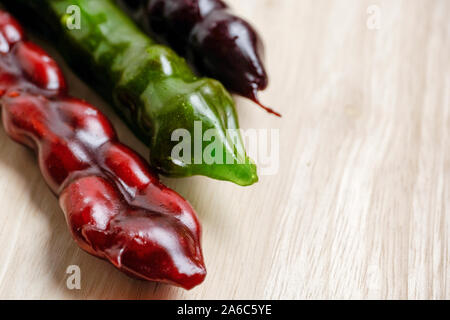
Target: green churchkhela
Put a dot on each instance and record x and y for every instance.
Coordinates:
(152, 88)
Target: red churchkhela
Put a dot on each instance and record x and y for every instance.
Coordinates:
(115, 207)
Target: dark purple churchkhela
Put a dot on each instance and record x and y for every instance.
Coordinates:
(218, 43)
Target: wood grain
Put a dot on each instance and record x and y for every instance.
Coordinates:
(360, 206)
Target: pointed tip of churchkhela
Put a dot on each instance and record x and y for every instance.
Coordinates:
(254, 97)
(269, 110)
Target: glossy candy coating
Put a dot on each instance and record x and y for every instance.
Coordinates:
(219, 43)
(152, 88)
(115, 207)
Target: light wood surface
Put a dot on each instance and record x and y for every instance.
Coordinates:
(360, 206)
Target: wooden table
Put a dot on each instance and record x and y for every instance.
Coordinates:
(360, 206)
